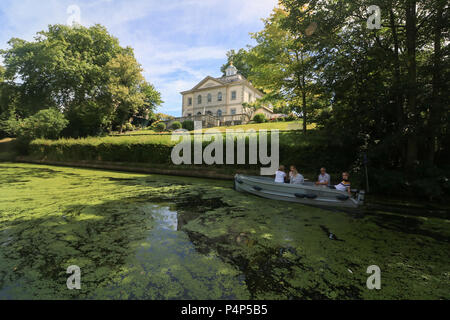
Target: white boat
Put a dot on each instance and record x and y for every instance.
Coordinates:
(307, 193)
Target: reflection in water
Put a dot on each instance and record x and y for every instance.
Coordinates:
(167, 265)
(165, 218)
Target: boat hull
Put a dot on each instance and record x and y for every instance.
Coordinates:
(307, 193)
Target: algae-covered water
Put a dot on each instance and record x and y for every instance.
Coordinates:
(140, 236)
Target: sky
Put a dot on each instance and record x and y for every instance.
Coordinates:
(177, 42)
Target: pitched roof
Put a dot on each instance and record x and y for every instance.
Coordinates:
(224, 80)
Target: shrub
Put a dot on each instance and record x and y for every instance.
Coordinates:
(128, 127)
(291, 117)
(259, 118)
(46, 124)
(176, 125)
(188, 125)
(160, 127)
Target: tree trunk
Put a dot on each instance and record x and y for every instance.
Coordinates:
(305, 118)
(434, 123)
(412, 116)
(397, 74)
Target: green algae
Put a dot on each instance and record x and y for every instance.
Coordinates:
(140, 236)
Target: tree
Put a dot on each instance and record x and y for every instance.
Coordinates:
(129, 92)
(239, 60)
(281, 63)
(75, 69)
(385, 87)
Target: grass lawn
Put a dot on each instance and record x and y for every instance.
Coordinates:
(282, 126)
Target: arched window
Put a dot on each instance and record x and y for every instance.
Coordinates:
(219, 113)
(209, 97)
(219, 96)
(199, 99)
(199, 113)
(209, 112)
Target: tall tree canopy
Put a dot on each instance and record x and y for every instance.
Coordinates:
(239, 60)
(388, 84)
(84, 72)
(281, 64)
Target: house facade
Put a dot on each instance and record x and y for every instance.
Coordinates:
(221, 100)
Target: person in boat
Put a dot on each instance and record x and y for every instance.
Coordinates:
(280, 175)
(345, 183)
(324, 178)
(295, 177)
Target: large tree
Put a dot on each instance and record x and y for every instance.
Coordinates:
(79, 71)
(386, 87)
(281, 64)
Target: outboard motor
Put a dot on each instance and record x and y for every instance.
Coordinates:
(361, 195)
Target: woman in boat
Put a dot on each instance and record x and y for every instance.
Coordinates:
(280, 175)
(345, 183)
(295, 177)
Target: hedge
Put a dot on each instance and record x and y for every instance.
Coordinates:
(308, 152)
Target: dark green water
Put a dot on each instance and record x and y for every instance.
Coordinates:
(140, 236)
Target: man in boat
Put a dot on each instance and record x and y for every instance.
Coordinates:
(324, 178)
(345, 183)
(280, 175)
(295, 177)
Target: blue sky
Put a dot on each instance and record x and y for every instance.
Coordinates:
(178, 42)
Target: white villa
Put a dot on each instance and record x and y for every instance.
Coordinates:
(219, 101)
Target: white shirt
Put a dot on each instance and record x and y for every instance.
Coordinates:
(279, 176)
(298, 179)
(342, 186)
(324, 178)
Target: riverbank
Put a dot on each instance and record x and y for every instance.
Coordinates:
(400, 205)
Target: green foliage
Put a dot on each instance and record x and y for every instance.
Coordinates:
(291, 117)
(99, 83)
(188, 125)
(259, 118)
(176, 125)
(281, 63)
(387, 86)
(239, 60)
(2, 73)
(160, 127)
(128, 127)
(46, 124)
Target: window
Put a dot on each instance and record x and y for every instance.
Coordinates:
(219, 96)
(233, 111)
(199, 100)
(209, 97)
(249, 97)
(199, 113)
(209, 112)
(189, 101)
(189, 114)
(233, 95)
(219, 113)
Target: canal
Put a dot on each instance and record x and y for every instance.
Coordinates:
(137, 236)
